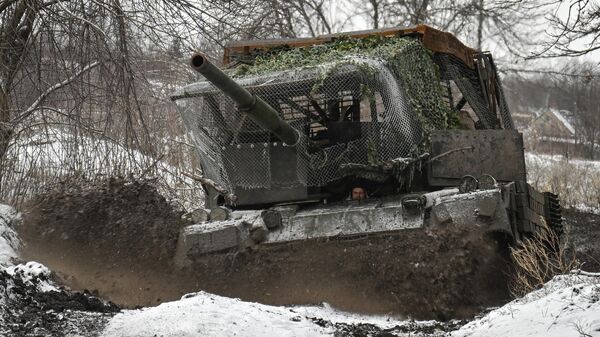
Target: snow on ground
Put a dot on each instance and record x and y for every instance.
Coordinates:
(32, 274)
(550, 158)
(31, 304)
(577, 182)
(43, 157)
(328, 313)
(9, 242)
(568, 305)
(204, 314)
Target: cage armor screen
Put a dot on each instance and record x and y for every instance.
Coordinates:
(364, 105)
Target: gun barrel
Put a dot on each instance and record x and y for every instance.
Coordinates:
(257, 109)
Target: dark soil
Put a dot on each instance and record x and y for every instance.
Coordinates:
(117, 238)
(442, 273)
(430, 329)
(583, 235)
(29, 312)
(113, 219)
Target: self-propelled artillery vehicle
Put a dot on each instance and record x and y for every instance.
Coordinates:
(345, 135)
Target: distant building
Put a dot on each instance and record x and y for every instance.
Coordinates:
(553, 124)
(548, 131)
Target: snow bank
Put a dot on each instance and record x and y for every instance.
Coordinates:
(568, 305)
(32, 274)
(9, 242)
(204, 314)
(31, 305)
(330, 314)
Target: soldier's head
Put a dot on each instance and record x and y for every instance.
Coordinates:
(358, 193)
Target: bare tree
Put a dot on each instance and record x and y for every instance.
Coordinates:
(508, 23)
(583, 92)
(82, 66)
(312, 16)
(573, 88)
(574, 29)
(102, 69)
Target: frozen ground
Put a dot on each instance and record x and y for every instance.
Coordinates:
(204, 314)
(568, 305)
(31, 304)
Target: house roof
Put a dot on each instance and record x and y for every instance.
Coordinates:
(559, 115)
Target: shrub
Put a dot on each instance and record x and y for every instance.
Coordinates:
(538, 259)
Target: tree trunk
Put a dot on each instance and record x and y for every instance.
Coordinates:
(421, 14)
(15, 32)
(480, 21)
(5, 129)
(375, 5)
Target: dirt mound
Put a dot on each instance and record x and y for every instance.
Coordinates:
(118, 238)
(27, 309)
(441, 273)
(113, 220)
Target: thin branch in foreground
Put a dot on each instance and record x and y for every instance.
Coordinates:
(230, 197)
(55, 87)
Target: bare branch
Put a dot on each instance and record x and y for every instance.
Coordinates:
(55, 87)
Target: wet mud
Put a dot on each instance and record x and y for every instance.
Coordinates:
(116, 239)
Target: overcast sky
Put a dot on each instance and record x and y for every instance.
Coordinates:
(344, 12)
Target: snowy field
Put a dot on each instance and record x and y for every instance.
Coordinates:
(577, 182)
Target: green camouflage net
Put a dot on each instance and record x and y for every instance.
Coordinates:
(410, 61)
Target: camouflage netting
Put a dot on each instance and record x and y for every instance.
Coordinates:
(409, 61)
(386, 91)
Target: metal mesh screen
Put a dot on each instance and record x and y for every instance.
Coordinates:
(235, 150)
(359, 110)
(469, 83)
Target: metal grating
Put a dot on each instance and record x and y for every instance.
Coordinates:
(368, 96)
